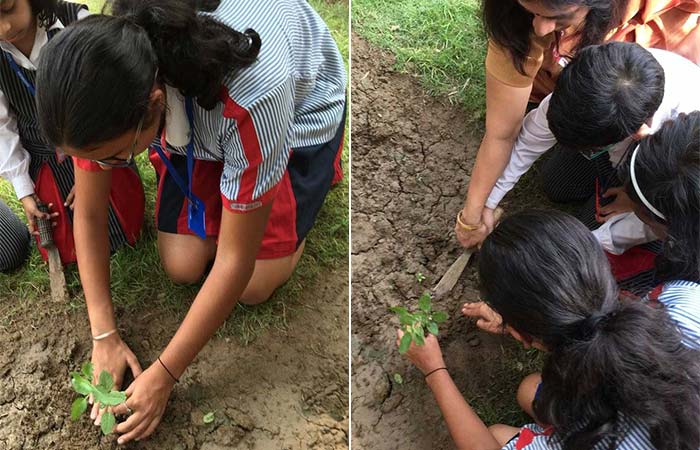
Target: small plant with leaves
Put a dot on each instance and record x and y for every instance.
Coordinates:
(415, 325)
(101, 392)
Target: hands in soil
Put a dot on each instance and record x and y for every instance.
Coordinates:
(114, 356)
(487, 319)
(101, 392)
(147, 398)
(415, 325)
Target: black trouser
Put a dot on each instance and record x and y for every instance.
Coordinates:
(14, 240)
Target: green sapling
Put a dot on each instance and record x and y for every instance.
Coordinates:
(415, 325)
(101, 392)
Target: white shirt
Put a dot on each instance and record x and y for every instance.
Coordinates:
(14, 159)
(681, 95)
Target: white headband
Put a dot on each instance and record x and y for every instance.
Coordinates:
(639, 191)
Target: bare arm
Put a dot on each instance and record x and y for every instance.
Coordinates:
(239, 240)
(468, 431)
(466, 428)
(505, 108)
(91, 234)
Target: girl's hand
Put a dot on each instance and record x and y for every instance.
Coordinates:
(113, 355)
(620, 205)
(469, 239)
(146, 399)
(487, 319)
(31, 210)
(70, 199)
(426, 357)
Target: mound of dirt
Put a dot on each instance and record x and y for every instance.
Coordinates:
(287, 390)
(411, 159)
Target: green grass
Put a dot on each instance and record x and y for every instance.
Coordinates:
(440, 41)
(138, 279)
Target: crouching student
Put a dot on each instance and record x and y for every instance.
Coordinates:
(608, 97)
(662, 179)
(38, 171)
(619, 373)
(245, 122)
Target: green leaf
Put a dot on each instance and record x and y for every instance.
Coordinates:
(424, 302)
(432, 328)
(398, 309)
(87, 370)
(405, 343)
(405, 319)
(78, 408)
(107, 423)
(439, 316)
(106, 381)
(398, 378)
(80, 384)
(418, 336)
(208, 418)
(109, 398)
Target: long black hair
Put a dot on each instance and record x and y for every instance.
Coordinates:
(510, 25)
(667, 170)
(611, 361)
(95, 77)
(605, 95)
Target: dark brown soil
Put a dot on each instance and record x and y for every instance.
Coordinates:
(411, 159)
(286, 390)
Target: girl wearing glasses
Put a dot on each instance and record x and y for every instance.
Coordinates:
(530, 41)
(618, 373)
(245, 130)
(37, 170)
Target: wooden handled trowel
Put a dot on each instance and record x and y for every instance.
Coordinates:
(56, 277)
(448, 281)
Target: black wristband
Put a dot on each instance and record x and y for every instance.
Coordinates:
(433, 371)
(169, 372)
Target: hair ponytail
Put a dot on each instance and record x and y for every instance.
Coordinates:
(613, 364)
(194, 52)
(95, 77)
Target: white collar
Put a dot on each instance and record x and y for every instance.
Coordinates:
(40, 39)
(177, 126)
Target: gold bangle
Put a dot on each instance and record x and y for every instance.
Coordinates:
(464, 226)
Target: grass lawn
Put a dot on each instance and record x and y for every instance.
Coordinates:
(137, 277)
(440, 41)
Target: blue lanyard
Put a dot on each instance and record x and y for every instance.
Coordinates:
(19, 73)
(190, 154)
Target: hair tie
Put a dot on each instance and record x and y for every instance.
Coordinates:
(641, 196)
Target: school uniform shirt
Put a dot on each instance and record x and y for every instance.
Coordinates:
(14, 158)
(681, 300)
(293, 96)
(680, 96)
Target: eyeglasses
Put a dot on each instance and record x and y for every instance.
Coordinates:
(594, 153)
(117, 163)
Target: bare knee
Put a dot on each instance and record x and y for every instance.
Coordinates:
(527, 391)
(184, 259)
(183, 272)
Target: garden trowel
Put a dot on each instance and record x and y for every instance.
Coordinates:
(56, 277)
(448, 281)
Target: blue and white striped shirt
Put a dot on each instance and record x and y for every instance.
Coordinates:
(681, 299)
(292, 96)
